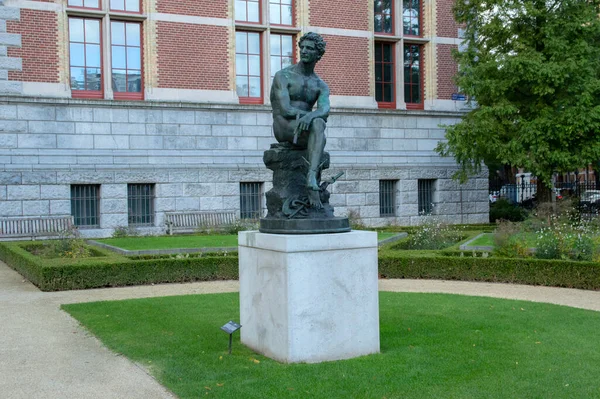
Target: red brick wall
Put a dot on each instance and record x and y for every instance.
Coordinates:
(345, 65)
(192, 56)
(353, 14)
(446, 25)
(199, 8)
(447, 68)
(39, 46)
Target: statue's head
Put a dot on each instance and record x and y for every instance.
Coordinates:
(317, 39)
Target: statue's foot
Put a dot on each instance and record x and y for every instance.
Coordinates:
(311, 181)
(314, 199)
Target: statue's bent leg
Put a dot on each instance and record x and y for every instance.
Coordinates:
(316, 145)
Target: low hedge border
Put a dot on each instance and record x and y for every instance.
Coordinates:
(447, 266)
(114, 270)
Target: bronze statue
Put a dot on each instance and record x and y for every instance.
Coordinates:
(294, 92)
(298, 203)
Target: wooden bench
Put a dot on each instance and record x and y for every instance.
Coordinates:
(189, 222)
(19, 227)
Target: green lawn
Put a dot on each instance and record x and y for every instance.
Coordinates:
(171, 242)
(185, 241)
(383, 235)
(488, 240)
(432, 346)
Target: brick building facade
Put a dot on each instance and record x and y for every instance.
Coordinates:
(117, 111)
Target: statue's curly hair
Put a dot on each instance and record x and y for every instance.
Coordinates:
(318, 39)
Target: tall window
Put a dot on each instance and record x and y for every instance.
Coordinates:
(281, 12)
(384, 20)
(410, 59)
(413, 81)
(92, 70)
(248, 67)
(387, 198)
(384, 75)
(282, 52)
(411, 17)
(85, 205)
(426, 189)
(264, 48)
(247, 11)
(140, 204)
(250, 200)
(126, 58)
(85, 57)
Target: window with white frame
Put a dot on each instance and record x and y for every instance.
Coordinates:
(399, 52)
(263, 45)
(97, 70)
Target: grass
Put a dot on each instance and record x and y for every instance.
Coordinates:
(172, 242)
(487, 239)
(384, 235)
(186, 241)
(432, 346)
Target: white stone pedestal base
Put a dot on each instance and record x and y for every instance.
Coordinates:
(309, 298)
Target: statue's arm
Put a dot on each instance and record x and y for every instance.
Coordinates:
(281, 97)
(323, 105)
(322, 110)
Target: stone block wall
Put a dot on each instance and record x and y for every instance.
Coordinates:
(196, 156)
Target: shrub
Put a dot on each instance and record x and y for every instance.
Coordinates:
(548, 245)
(507, 242)
(504, 210)
(241, 225)
(68, 245)
(434, 234)
(125, 231)
(356, 223)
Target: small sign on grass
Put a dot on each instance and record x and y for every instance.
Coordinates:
(230, 328)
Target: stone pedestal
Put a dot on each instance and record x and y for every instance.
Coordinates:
(309, 298)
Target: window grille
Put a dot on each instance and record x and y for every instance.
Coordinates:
(387, 198)
(426, 189)
(140, 204)
(85, 205)
(250, 200)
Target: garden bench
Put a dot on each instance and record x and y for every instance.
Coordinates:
(189, 222)
(20, 227)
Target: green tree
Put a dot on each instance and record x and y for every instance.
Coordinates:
(532, 68)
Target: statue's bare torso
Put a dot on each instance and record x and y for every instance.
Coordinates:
(302, 92)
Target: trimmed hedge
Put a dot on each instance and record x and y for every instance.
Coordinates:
(556, 273)
(114, 270)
